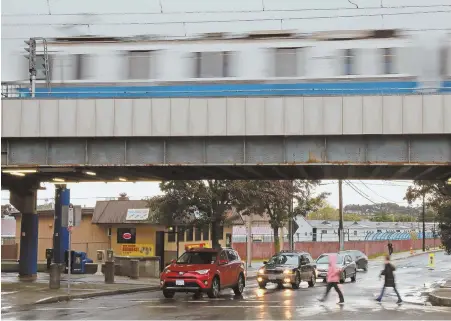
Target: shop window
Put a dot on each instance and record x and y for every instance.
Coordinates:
(189, 234)
(181, 234)
(206, 233)
(171, 236)
(198, 234)
(126, 236)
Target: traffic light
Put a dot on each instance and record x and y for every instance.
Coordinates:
(31, 56)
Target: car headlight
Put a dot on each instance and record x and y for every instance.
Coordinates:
(203, 271)
(166, 271)
(261, 271)
(287, 272)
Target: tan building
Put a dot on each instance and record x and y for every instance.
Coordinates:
(146, 238)
(106, 227)
(87, 237)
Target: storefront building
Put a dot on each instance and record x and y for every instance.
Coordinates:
(133, 233)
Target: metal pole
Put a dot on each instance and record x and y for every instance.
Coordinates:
(177, 239)
(69, 258)
(249, 241)
(424, 224)
(33, 86)
(340, 223)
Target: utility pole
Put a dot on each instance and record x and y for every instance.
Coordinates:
(340, 209)
(424, 224)
(290, 222)
(249, 241)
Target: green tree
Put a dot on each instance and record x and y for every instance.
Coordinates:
(205, 201)
(326, 212)
(280, 200)
(437, 197)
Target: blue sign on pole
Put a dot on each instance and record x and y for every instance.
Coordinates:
(61, 234)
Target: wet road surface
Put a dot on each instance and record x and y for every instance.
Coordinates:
(414, 280)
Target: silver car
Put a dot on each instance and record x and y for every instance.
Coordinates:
(344, 261)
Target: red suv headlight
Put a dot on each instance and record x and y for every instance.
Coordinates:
(203, 272)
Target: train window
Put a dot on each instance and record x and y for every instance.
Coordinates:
(139, 64)
(444, 62)
(388, 60)
(83, 67)
(286, 62)
(349, 61)
(212, 64)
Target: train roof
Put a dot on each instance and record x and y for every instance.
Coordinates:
(257, 35)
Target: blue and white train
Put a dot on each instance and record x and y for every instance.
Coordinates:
(271, 63)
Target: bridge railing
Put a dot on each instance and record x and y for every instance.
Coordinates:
(208, 90)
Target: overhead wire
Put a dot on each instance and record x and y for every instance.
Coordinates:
(263, 9)
(358, 191)
(281, 19)
(387, 199)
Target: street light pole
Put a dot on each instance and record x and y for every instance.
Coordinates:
(424, 224)
(340, 223)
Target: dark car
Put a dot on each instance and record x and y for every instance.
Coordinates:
(204, 270)
(360, 259)
(288, 268)
(344, 261)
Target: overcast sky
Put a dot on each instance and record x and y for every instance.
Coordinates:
(86, 194)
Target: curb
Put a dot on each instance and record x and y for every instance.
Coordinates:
(438, 300)
(60, 298)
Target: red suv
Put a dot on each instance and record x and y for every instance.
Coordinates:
(204, 270)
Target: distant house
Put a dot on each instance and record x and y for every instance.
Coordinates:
(327, 231)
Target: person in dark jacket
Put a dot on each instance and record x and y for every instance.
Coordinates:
(390, 248)
(388, 273)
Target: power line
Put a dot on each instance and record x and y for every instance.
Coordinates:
(281, 19)
(381, 195)
(359, 192)
(163, 12)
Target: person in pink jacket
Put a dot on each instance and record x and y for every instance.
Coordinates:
(333, 278)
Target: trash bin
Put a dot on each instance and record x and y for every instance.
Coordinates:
(79, 263)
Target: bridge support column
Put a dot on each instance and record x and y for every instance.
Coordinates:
(60, 233)
(25, 201)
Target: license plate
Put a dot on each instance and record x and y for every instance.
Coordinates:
(179, 282)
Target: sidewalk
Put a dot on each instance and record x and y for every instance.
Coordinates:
(16, 293)
(405, 255)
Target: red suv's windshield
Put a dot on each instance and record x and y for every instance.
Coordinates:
(197, 258)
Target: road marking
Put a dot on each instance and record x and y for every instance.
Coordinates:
(68, 308)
